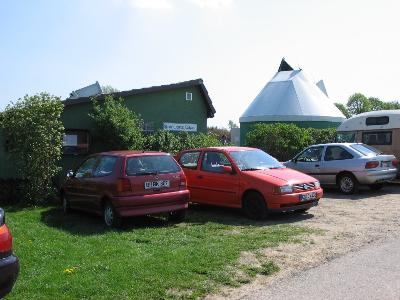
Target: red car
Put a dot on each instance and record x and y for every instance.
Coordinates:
(247, 178)
(120, 184)
(9, 264)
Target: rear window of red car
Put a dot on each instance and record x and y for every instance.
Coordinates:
(151, 164)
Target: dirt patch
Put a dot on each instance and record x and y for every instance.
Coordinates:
(347, 223)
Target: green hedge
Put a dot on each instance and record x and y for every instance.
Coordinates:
(283, 141)
(170, 142)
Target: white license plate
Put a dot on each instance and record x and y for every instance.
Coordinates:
(386, 164)
(308, 196)
(156, 184)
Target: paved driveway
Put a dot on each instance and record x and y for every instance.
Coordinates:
(346, 224)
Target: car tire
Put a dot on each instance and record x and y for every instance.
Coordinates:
(110, 217)
(348, 184)
(177, 216)
(65, 204)
(254, 206)
(376, 186)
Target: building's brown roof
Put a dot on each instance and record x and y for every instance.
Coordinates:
(123, 94)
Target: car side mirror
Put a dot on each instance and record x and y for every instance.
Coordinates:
(70, 173)
(227, 169)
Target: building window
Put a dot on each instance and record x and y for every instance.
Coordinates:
(377, 138)
(148, 127)
(377, 121)
(76, 142)
(189, 96)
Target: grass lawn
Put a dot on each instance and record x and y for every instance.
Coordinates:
(76, 257)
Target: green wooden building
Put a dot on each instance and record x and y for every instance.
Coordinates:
(183, 106)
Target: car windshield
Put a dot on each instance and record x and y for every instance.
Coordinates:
(151, 164)
(365, 149)
(249, 160)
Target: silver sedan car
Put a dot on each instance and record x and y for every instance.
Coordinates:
(346, 165)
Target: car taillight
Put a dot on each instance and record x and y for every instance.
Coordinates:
(372, 164)
(182, 183)
(395, 163)
(124, 185)
(5, 241)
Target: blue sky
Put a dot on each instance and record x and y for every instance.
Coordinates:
(235, 46)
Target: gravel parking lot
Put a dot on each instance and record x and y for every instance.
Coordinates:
(347, 223)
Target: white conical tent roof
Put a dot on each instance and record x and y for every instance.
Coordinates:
(292, 96)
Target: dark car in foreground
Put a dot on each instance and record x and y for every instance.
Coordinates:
(9, 264)
(346, 165)
(119, 184)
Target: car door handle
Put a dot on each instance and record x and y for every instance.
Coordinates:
(317, 166)
(200, 176)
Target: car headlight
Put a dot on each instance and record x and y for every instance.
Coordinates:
(317, 185)
(2, 217)
(284, 189)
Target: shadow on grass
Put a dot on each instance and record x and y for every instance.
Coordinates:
(81, 223)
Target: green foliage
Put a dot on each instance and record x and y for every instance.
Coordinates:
(108, 89)
(222, 134)
(343, 109)
(283, 141)
(117, 127)
(280, 140)
(322, 136)
(358, 104)
(170, 142)
(34, 133)
(232, 124)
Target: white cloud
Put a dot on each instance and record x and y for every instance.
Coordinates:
(153, 4)
(212, 3)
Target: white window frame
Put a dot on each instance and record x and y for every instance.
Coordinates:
(189, 96)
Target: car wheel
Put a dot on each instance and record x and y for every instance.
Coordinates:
(111, 219)
(348, 184)
(254, 206)
(65, 204)
(376, 186)
(177, 215)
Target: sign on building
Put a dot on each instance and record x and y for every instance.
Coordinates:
(180, 127)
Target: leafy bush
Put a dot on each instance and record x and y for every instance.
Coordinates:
(283, 141)
(322, 136)
(170, 142)
(117, 127)
(34, 133)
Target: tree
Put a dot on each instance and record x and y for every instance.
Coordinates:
(343, 109)
(232, 124)
(34, 133)
(117, 127)
(109, 89)
(358, 104)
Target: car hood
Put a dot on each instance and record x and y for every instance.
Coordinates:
(284, 174)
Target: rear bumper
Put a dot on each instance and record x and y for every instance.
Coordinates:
(376, 176)
(9, 269)
(151, 204)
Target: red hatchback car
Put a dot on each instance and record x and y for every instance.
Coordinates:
(120, 184)
(247, 178)
(9, 264)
